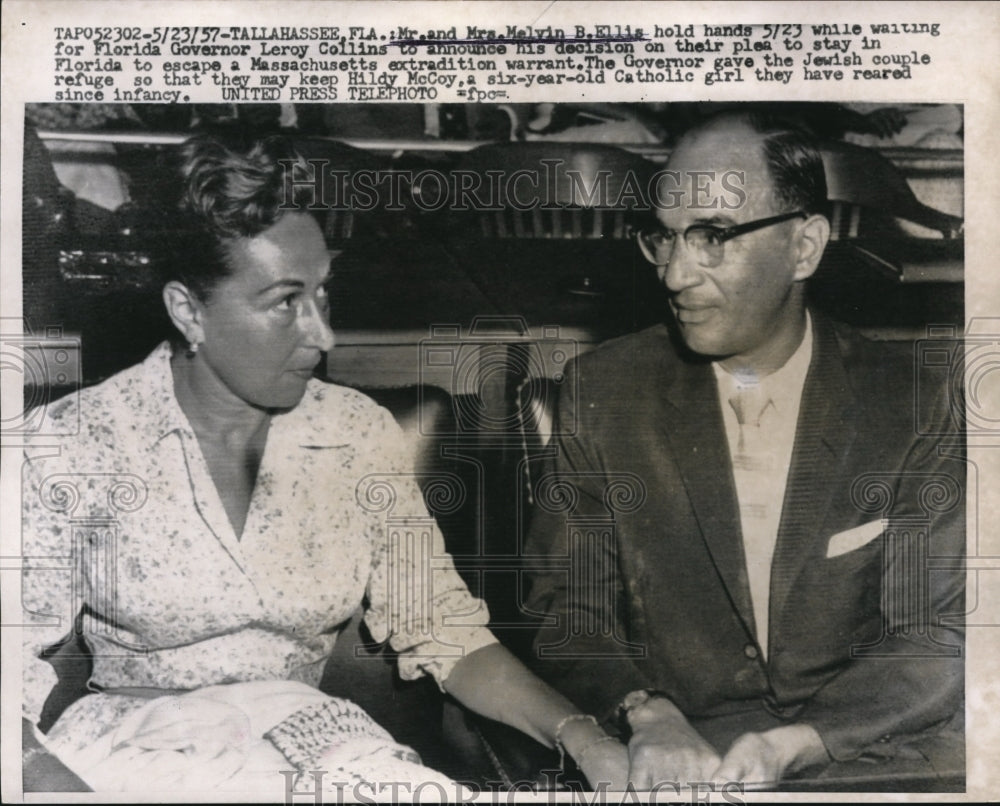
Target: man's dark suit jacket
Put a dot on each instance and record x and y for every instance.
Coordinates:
(865, 645)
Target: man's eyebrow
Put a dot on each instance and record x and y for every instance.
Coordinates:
(293, 284)
(704, 221)
(296, 284)
(714, 221)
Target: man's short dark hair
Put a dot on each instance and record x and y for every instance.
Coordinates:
(792, 155)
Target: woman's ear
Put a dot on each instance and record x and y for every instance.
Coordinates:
(813, 235)
(184, 309)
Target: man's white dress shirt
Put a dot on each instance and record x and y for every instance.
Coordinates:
(761, 451)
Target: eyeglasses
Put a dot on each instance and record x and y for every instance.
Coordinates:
(707, 242)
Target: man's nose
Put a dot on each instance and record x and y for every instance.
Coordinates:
(682, 271)
(316, 327)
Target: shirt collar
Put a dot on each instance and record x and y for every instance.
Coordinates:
(165, 412)
(784, 385)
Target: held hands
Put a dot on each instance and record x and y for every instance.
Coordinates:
(665, 747)
(601, 758)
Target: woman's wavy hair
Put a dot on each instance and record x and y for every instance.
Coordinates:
(229, 190)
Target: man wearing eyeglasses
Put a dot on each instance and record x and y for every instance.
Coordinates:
(764, 605)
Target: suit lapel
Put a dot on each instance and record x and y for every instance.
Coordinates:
(825, 433)
(697, 437)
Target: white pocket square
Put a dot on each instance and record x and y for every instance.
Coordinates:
(855, 538)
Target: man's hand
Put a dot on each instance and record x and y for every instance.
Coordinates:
(664, 747)
(763, 758)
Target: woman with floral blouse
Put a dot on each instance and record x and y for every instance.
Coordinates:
(215, 513)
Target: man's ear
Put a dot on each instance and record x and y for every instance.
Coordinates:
(184, 309)
(813, 234)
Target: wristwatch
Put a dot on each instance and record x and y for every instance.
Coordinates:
(633, 700)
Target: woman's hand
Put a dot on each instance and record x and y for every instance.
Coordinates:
(605, 764)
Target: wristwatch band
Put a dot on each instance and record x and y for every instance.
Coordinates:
(633, 700)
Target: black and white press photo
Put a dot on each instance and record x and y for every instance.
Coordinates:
(395, 428)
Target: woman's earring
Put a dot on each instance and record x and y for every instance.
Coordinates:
(192, 349)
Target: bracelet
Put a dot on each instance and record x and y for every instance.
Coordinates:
(579, 757)
(559, 729)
